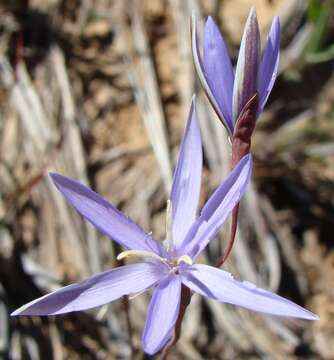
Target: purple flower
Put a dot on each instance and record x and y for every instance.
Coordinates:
(167, 265)
(229, 93)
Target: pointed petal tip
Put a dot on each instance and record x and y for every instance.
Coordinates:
(275, 29)
(210, 27)
(53, 175)
(252, 12)
(193, 100)
(192, 117)
(248, 165)
(245, 164)
(315, 317)
(276, 21)
(61, 181)
(56, 178)
(247, 160)
(252, 17)
(22, 311)
(210, 21)
(252, 20)
(310, 316)
(302, 314)
(192, 112)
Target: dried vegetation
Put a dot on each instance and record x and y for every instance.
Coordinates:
(99, 91)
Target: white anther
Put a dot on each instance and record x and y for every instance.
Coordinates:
(184, 258)
(139, 253)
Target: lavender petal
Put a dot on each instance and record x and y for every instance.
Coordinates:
(199, 66)
(218, 69)
(187, 179)
(218, 207)
(218, 284)
(100, 289)
(162, 313)
(269, 64)
(104, 216)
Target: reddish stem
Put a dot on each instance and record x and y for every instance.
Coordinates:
(241, 143)
(234, 226)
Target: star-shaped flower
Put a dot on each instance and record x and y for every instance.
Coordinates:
(167, 265)
(227, 91)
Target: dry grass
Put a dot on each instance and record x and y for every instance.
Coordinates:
(99, 91)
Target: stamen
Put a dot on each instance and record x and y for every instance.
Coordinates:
(184, 258)
(168, 243)
(140, 254)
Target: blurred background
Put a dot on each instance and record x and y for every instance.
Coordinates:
(99, 91)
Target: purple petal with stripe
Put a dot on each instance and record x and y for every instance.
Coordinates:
(162, 314)
(104, 216)
(187, 179)
(269, 64)
(218, 207)
(218, 69)
(98, 290)
(218, 284)
(246, 73)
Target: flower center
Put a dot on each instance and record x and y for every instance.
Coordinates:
(173, 264)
